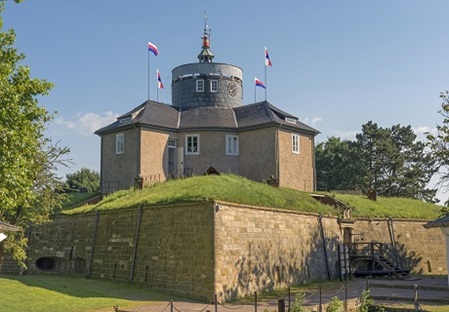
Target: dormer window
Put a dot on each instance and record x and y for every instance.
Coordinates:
(124, 120)
(200, 85)
(290, 120)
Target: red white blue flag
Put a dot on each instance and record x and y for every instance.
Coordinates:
(159, 81)
(267, 58)
(153, 48)
(259, 83)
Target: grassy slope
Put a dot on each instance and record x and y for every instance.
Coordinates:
(232, 188)
(68, 294)
(76, 198)
(390, 207)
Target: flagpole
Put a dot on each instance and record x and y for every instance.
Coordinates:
(157, 90)
(255, 100)
(266, 82)
(149, 75)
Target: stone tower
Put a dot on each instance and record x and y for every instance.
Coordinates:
(206, 84)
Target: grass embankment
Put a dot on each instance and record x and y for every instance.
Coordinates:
(394, 207)
(68, 294)
(74, 199)
(229, 188)
(239, 190)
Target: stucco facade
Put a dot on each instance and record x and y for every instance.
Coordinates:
(157, 155)
(118, 171)
(195, 132)
(297, 170)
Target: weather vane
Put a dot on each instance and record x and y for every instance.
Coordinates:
(207, 29)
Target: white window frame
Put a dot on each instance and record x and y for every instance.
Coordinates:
(190, 146)
(171, 143)
(119, 143)
(232, 144)
(200, 85)
(214, 86)
(295, 143)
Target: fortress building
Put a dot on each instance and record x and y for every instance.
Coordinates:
(207, 128)
(209, 248)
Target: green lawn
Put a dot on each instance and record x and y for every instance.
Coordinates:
(39, 293)
(68, 294)
(236, 189)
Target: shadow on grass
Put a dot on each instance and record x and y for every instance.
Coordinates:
(90, 288)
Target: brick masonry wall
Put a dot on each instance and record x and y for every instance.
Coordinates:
(199, 249)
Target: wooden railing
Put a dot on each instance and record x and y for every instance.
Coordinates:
(376, 249)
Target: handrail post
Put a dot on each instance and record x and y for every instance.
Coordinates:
(255, 301)
(415, 291)
(216, 303)
(321, 301)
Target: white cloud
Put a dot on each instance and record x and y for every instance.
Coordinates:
(343, 135)
(312, 121)
(421, 130)
(88, 123)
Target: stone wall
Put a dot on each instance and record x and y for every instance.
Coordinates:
(167, 248)
(201, 249)
(423, 249)
(260, 248)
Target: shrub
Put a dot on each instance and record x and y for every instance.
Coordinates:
(335, 305)
(297, 305)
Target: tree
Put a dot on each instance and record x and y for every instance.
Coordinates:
(84, 179)
(397, 165)
(338, 165)
(388, 160)
(28, 183)
(439, 143)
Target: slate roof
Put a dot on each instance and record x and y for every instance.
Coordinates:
(208, 117)
(158, 115)
(441, 222)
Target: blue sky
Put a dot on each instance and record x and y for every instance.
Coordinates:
(336, 64)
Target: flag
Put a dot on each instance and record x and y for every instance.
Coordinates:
(159, 81)
(267, 58)
(153, 48)
(259, 83)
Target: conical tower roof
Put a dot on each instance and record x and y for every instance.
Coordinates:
(206, 56)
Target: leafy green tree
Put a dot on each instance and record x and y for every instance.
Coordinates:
(84, 178)
(439, 145)
(388, 160)
(27, 181)
(338, 165)
(396, 163)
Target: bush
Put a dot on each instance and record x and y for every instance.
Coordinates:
(335, 305)
(297, 305)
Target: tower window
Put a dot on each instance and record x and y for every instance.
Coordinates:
(295, 143)
(214, 86)
(119, 143)
(193, 144)
(200, 85)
